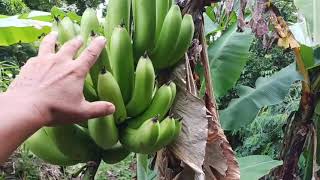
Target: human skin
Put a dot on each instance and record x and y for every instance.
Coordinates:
(49, 91)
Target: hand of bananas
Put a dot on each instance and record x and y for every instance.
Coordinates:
(124, 74)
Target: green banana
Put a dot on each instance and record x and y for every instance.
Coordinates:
(167, 38)
(159, 106)
(109, 90)
(184, 39)
(141, 140)
(118, 13)
(178, 128)
(103, 131)
(114, 155)
(73, 142)
(54, 26)
(122, 62)
(143, 87)
(144, 17)
(89, 92)
(66, 30)
(102, 62)
(173, 91)
(43, 147)
(167, 132)
(155, 89)
(161, 12)
(76, 28)
(83, 124)
(89, 23)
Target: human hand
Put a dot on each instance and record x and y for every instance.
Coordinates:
(51, 84)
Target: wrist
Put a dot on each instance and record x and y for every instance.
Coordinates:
(24, 107)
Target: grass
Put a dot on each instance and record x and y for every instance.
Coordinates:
(121, 171)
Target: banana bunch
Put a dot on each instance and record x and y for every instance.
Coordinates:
(125, 74)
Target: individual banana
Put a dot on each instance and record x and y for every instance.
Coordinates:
(103, 131)
(167, 132)
(161, 12)
(83, 124)
(155, 89)
(143, 87)
(89, 24)
(173, 91)
(66, 30)
(122, 62)
(73, 142)
(144, 17)
(115, 154)
(102, 62)
(43, 147)
(118, 13)
(167, 38)
(184, 40)
(88, 91)
(178, 128)
(109, 90)
(143, 139)
(159, 106)
(76, 28)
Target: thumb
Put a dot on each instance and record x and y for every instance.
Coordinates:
(98, 109)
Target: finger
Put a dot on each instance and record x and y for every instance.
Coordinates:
(70, 48)
(97, 109)
(48, 44)
(91, 53)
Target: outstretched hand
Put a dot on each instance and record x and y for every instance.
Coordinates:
(52, 82)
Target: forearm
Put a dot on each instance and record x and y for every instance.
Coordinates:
(18, 121)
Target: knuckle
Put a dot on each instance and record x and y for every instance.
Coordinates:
(73, 45)
(91, 53)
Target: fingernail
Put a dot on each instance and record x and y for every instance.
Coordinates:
(79, 38)
(112, 108)
(101, 38)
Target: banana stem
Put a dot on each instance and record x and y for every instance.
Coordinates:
(91, 170)
(142, 165)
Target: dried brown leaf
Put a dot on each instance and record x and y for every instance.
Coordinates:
(241, 20)
(191, 143)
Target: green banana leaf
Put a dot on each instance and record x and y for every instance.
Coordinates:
(143, 171)
(37, 15)
(269, 91)
(256, 166)
(59, 13)
(14, 30)
(310, 10)
(228, 56)
(209, 25)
